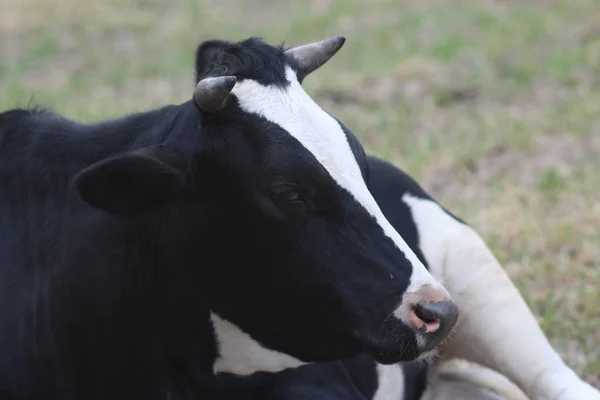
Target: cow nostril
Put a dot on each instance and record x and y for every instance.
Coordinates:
(427, 312)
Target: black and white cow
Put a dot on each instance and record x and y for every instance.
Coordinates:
(138, 255)
(496, 328)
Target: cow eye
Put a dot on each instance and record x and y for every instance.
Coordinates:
(286, 193)
(290, 198)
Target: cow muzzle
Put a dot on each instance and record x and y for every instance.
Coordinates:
(431, 313)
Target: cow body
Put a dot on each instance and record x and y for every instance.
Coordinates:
(136, 252)
(80, 290)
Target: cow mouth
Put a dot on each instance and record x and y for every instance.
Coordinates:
(404, 346)
(402, 354)
(392, 350)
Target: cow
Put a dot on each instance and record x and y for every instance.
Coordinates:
(139, 254)
(496, 329)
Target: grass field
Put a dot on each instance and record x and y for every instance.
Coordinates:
(493, 105)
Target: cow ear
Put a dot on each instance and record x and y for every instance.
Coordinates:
(132, 184)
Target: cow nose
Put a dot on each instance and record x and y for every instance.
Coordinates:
(432, 314)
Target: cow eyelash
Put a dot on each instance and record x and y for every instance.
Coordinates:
(296, 199)
(287, 192)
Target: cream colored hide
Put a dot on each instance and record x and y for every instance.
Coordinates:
(463, 388)
(455, 390)
(496, 329)
(459, 379)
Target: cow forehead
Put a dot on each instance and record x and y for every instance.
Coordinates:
(291, 108)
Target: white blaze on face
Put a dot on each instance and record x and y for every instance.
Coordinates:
(296, 112)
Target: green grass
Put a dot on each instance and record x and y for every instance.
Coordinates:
(493, 105)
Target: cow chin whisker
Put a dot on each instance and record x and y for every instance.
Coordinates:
(427, 358)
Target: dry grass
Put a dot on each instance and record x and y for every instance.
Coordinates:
(492, 105)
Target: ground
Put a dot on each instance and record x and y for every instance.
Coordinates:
(492, 105)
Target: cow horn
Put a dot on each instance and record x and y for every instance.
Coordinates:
(211, 93)
(313, 55)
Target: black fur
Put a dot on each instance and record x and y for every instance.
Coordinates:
(117, 239)
(248, 59)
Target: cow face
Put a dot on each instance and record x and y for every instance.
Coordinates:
(300, 264)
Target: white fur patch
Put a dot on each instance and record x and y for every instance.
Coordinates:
(242, 355)
(435, 228)
(296, 112)
(391, 382)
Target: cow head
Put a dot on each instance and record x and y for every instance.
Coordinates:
(265, 193)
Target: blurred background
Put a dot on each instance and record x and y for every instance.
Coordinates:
(494, 106)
